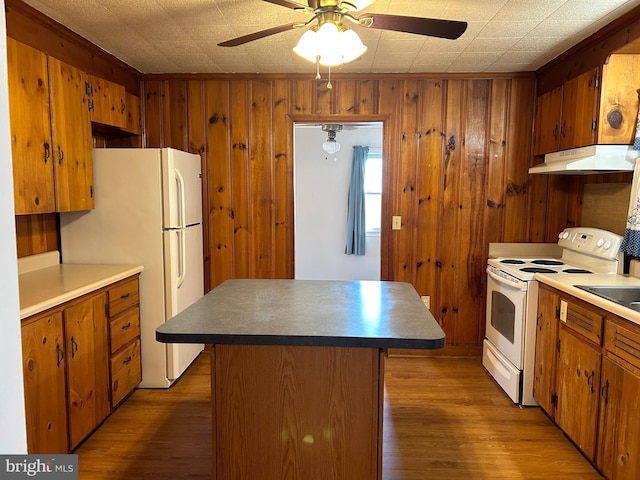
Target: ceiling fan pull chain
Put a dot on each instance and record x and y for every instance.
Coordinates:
(329, 86)
(317, 67)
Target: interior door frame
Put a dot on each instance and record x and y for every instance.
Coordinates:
(388, 147)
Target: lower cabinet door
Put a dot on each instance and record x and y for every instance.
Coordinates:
(578, 388)
(88, 367)
(618, 440)
(44, 385)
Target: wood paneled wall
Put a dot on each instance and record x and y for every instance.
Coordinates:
(456, 151)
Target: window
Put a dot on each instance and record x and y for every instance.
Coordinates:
(373, 191)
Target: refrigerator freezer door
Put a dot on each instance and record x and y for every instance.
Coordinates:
(182, 184)
(184, 285)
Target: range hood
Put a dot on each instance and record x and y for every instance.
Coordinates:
(589, 160)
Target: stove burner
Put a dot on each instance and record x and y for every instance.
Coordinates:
(547, 262)
(512, 261)
(576, 270)
(537, 270)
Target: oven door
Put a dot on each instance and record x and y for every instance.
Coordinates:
(506, 301)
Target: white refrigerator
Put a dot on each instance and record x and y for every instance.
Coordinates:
(148, 211)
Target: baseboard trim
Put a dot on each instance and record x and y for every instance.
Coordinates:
(447, 351)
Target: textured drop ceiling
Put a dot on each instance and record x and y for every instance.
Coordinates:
(180, 36)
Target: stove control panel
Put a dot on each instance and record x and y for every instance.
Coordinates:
(592, 241)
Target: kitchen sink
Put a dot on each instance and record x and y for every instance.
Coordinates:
(628, 296)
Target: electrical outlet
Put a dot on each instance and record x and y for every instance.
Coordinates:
(426, 299)
(396, 222)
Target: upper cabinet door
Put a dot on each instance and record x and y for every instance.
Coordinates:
(71, 125)
(579, 107)
(547, 122)
(108, 103)
(619, 99)
(30, 129)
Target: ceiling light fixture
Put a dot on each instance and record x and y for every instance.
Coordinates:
(330, 43)
(331, 146)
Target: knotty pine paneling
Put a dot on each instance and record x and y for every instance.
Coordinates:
(449, 232)
(220, 209)
(429, 178)
(36, 234)
(283, 262)
(456, 169)
(518, 141)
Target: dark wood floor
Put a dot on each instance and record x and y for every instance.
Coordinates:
(445, 418)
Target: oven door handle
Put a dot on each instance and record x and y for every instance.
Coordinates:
(510, 282)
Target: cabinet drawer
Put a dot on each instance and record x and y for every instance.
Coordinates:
(123, 296)
(623, 341)
(125, 372)
(124, 328)
(583, 320)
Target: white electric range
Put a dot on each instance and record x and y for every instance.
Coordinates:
(512, 302)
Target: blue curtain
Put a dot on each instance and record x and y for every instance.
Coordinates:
(356, 232)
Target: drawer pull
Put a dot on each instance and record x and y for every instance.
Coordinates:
(125, 296)
(127, 326)
(127, 360)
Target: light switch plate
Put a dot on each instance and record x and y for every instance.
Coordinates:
(396, 222)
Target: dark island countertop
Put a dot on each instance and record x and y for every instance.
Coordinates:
(307, 313)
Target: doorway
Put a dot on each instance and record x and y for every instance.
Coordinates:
(321, 185)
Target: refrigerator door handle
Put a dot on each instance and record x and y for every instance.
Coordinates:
(181, 200)
(182, 258)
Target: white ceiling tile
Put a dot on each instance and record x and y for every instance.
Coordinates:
(507, 29)
(518, 10)
(173, 36)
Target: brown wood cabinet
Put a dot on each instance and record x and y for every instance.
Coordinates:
(595, 382)
(43, 354)
(618, 110)
(69, 353)
(124, 339)
(30, 129)
(51, 133)
(87, 366)
(618, 454)
(72, 139)
(546, 347)
(577, 387)
(107, 102)
(598, 106)
(132, 106)
(547, 122)
(566, 116)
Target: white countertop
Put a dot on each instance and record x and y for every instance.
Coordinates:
(48, 287)
(567, 282)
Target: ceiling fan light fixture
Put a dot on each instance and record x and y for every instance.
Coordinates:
(331, 146)
(330, 45)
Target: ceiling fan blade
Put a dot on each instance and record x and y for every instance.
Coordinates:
(234, 42)
(432, 27)
(289, 4)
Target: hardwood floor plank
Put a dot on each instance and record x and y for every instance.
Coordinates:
(445, 419)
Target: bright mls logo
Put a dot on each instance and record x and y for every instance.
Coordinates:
(51, 467)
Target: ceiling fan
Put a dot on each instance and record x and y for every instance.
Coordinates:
(335, 12)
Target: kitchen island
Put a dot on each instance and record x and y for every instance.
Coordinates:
(298, 372)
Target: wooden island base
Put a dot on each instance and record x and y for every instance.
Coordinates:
(298, 372)
(289, 412)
